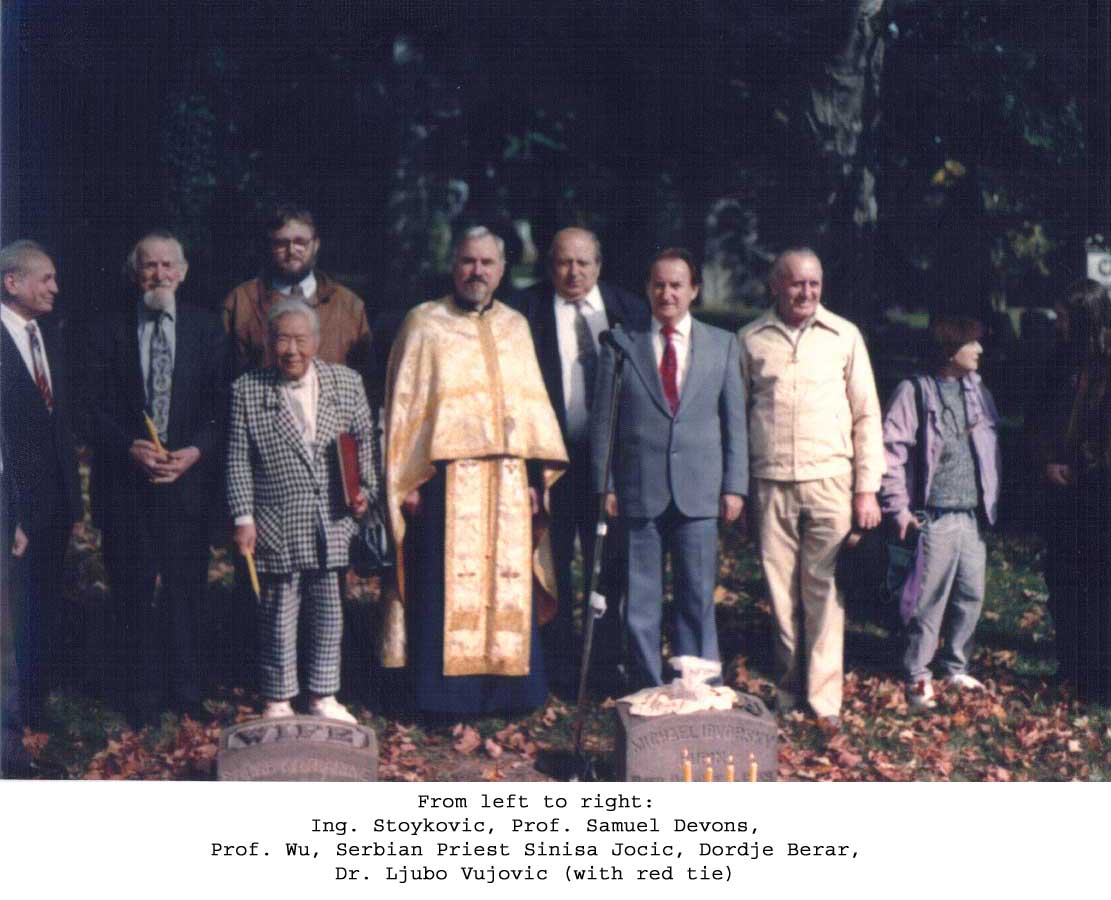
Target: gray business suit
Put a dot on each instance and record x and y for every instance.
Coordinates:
(669, 473)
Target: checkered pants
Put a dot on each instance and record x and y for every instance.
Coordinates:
(279, 608)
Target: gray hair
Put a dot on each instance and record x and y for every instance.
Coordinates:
(475, 233)
(16, 257)
(292, 306)
(781, 261)
(586, 232)
(159, 234)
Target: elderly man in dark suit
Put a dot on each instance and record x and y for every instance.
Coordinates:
(680, 460)
(285, 492)
(40, 467)
(159, 359)
(566, 315)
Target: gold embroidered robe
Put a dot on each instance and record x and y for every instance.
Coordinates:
(465, 389)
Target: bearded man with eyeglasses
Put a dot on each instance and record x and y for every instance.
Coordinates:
(291, 248)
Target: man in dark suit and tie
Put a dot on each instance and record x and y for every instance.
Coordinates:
(153, 501)
(40, 467)
(680, 460)
(566, 316)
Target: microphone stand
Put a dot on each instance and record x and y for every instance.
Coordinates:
(594, 606)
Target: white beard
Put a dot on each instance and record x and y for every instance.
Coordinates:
(159, 299)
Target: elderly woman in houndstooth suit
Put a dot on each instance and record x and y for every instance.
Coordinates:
(286, 496)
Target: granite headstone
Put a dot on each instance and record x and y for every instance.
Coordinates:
(650, 748)
(301, 748)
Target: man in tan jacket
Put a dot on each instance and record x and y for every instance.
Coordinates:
(816, 447)
(292, 246)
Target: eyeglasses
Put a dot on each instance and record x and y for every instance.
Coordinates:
(295, 243)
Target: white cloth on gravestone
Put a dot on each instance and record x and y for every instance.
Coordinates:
(575, 391)
(681, 340)
(17, 330)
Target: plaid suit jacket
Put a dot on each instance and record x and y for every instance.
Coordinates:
(296, 497)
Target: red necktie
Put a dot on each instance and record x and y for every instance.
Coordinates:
(41, 380)
(669, 369)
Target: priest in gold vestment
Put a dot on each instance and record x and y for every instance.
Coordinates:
(472, 445)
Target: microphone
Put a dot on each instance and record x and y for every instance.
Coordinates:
(612, 340)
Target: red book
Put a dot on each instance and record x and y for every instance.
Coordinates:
(347, 451)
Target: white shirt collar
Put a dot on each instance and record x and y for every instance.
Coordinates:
(308, 380)
(308, 286)
(593, 299)
(15, 320)
(682, 327)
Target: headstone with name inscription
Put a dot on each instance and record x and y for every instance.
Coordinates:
(650, 748)
(301, 748)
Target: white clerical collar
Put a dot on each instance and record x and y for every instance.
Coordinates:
(682, 327)
(593, 299)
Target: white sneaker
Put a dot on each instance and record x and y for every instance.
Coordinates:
(277, 709)
(920, 695)
(331, 708)
(965, 681)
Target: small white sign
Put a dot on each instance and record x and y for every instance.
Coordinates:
(1099, 265)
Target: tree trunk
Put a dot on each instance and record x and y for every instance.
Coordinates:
(842, 118)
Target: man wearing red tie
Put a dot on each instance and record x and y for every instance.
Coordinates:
(39, 455)
(680, 461)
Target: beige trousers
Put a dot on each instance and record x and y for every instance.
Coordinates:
(801, 527)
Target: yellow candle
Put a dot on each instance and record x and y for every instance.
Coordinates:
(708, 774)
(688, 774)
(253, 573)
(153, 432)
(752, 767)
(729, 771)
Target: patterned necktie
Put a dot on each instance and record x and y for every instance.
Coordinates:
(39, 365)
(297, 292)
(587, 352)
(669, 369)
(160, 376)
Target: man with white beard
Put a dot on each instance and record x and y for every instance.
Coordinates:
(156, 366)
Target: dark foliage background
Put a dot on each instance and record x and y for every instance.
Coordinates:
(939, 154)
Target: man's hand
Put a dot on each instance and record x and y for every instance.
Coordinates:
(411, 505)
(19, 543)
(611, 506)
(732, 505)
(905, 528)
(359, 505)
(866, 511)
(146, 458)
(245, 537)
(176, 464)
(534, 500)
(1058, 474)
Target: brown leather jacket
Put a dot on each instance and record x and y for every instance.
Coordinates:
(344, 332)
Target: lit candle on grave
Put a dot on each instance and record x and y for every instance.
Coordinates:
(688, 772)
(708, 774)
(752, 767)
(729, 771)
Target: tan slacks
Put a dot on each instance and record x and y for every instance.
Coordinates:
(801, 526)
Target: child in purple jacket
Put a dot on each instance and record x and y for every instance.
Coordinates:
(942, 485)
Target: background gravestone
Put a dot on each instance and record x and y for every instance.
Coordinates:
(650, 748)
(301, 748)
